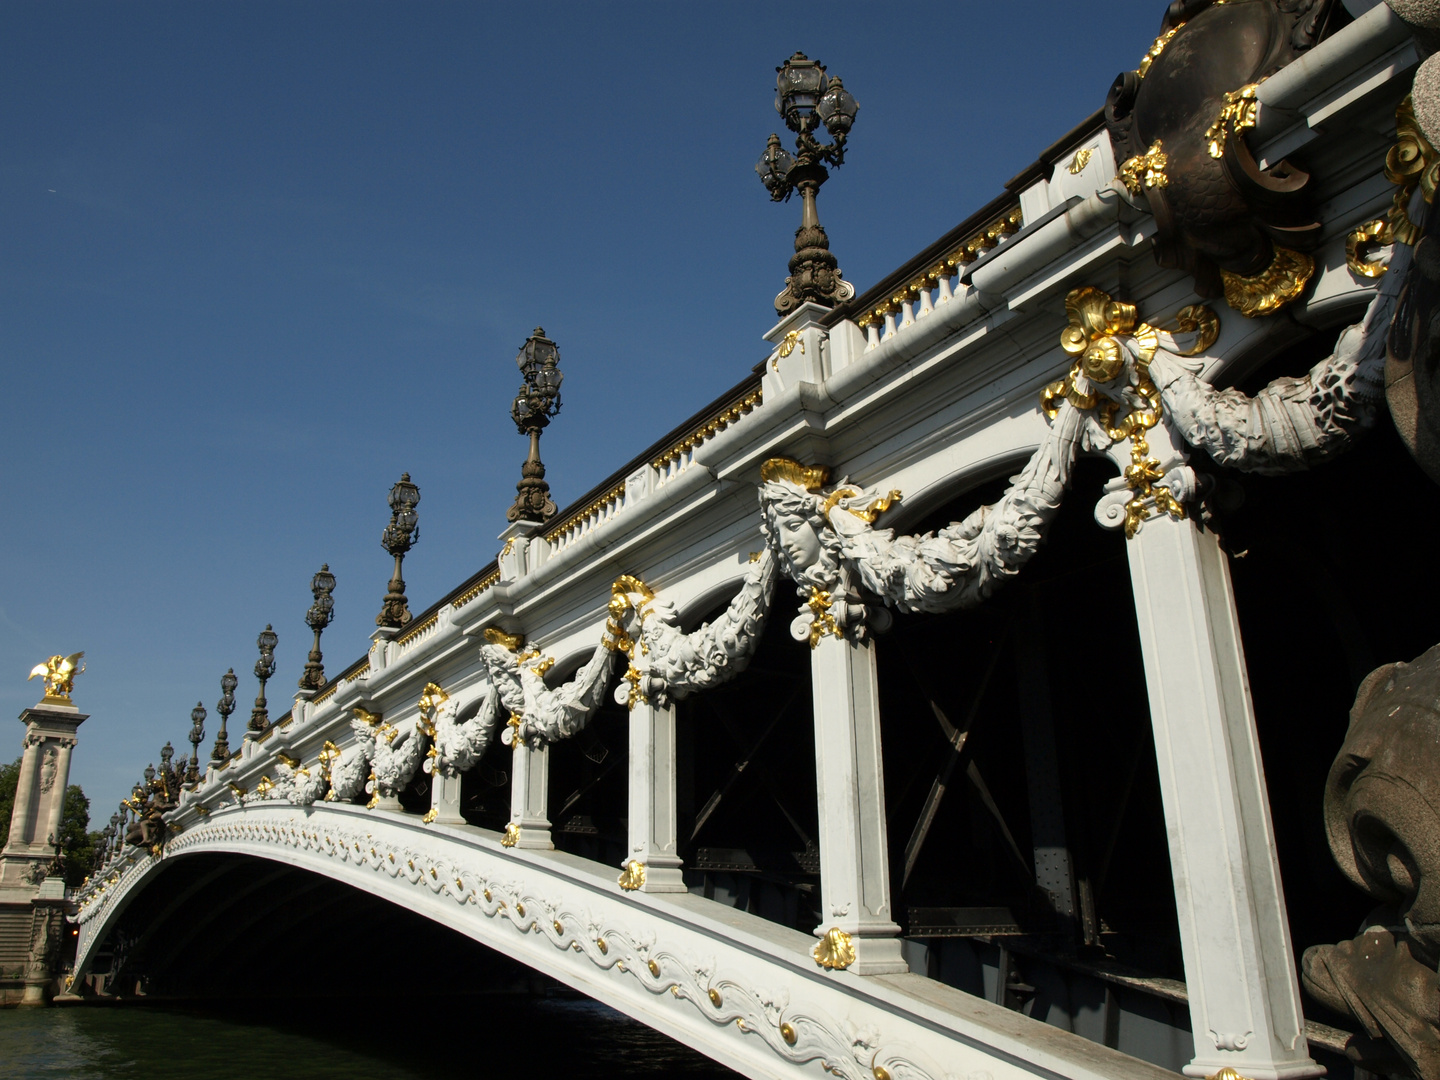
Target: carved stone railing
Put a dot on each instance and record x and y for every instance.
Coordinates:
(918, 298)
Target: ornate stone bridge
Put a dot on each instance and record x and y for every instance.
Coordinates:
(892, 717)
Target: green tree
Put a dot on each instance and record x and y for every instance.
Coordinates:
(9, 779)
(77, 847)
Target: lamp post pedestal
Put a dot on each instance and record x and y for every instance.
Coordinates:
(814, 271)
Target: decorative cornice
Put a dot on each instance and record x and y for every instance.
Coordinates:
(708, 428)
(560, 525)
(966, 251)
(415, 629)
(475, 590)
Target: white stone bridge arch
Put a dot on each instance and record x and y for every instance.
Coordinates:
(992, 349)
(741, 989)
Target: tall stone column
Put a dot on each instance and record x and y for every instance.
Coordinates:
(1245, 1005)
(530, 798)
(854, 859)
(653, 840)
(40, 794)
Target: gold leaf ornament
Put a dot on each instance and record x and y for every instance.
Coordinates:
(835, 951)
(1362, 242)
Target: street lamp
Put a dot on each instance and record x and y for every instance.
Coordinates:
(264, 668)
(537, 401)
(399, 535)
(317, 618)
(806, 98)
(197, 732)
(220, 752)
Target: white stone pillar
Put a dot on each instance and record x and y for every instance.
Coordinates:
(653, 840)
(1245, 1005)
(854, 860)
(530, 797)
(22, 817)
(59, 782)
(50, 729)
(445, 799)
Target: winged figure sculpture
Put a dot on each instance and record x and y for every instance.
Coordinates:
(59, 674)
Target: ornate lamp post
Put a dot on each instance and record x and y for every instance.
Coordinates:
(537, 402)
(807, 98)
(167, 778)
(197, 732)
(264, 668)
(317, 618)
(220, 752)
(399, 535)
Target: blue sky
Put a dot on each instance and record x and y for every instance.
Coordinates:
(257, 259)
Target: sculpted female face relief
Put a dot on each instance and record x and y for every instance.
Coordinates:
(797, 539)
(794, 524)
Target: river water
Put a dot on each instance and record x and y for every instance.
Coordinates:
(370, 1038)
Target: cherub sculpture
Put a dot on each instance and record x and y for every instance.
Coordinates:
(59, 673)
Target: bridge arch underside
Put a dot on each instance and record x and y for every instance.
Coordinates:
(204, 924)
(315, 896)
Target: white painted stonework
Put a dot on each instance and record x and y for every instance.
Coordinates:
(905, 415)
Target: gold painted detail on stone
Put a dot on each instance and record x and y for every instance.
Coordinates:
(1411, 162)
(475, 590)
(415, 630)
(867, 515)
(1228, 1073)
(1237, 114)
(1361, 242)
(1153, 53)
(611, 497)
(787, 1032)
(810, 477)
(823, 622)
(360, 672)
(1200, 320)
(709, 428)
(835, 951)
(430, 815)
(632, 875)
(967, 251)
(1079, 161)
(791, 342)
(1270, 290)
(286, 759)
(495, 636)
(324, 695)
(512, 834)
(431, 698)
(1145, 170)
(715, 998)
(1095, 324)
(238, 791)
